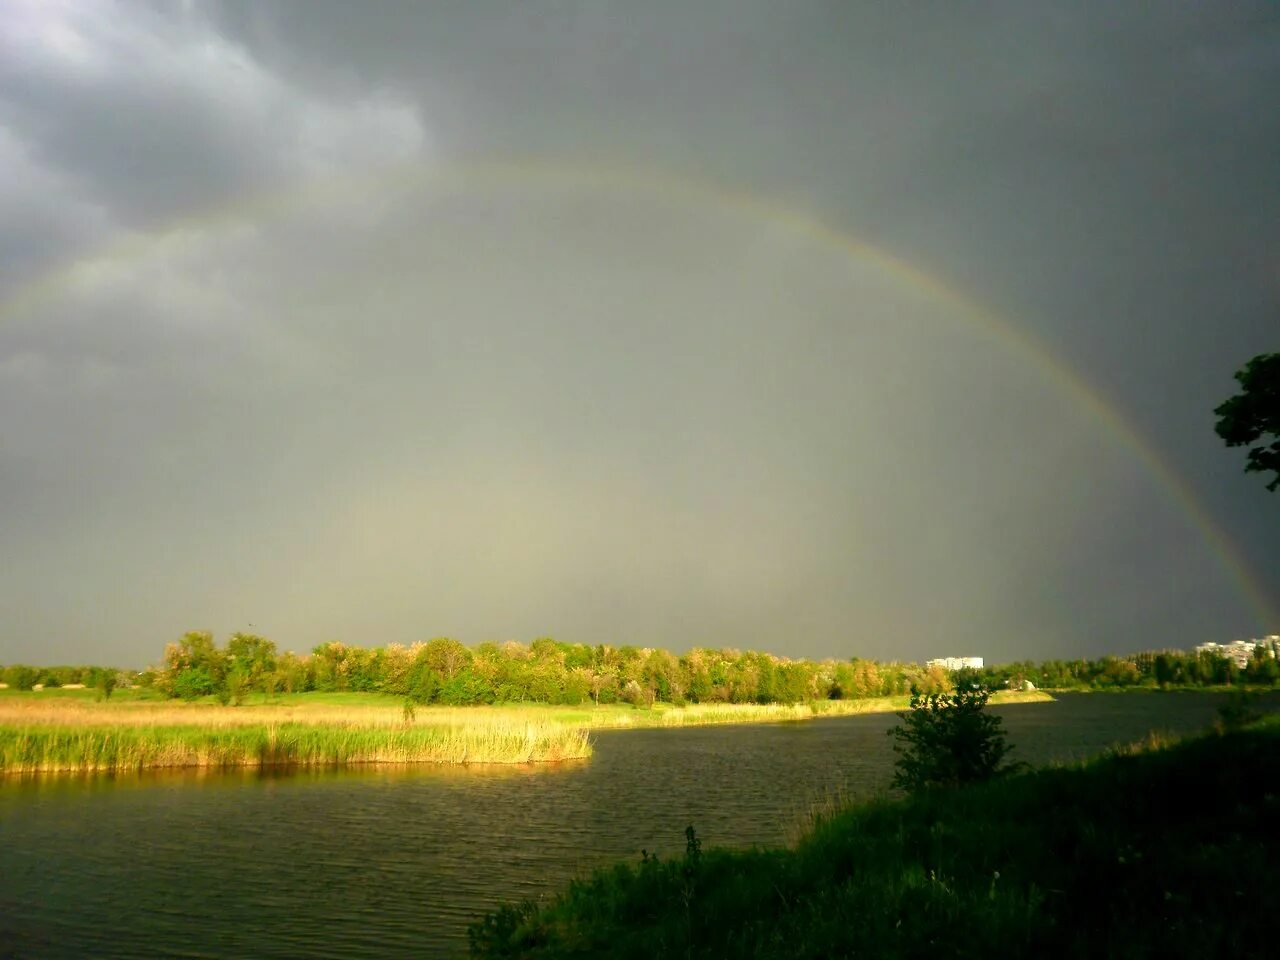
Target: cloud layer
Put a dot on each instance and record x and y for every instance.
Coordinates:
(277, 348)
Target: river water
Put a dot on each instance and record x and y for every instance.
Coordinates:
(395, 861)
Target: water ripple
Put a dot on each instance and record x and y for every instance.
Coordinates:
(395, 862)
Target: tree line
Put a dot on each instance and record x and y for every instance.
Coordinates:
(19, 676)
(1161, 669)
(548, 671)
(544, 671)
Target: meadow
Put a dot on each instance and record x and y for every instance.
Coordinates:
(77, 730)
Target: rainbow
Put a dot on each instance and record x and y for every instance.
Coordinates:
(478, 175)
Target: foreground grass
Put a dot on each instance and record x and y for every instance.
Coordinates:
(1164, 851)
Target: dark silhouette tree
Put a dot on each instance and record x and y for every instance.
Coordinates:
(1254, 414)
(948, 739)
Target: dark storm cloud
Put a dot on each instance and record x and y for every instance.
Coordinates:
(378, 412)
(154, 114)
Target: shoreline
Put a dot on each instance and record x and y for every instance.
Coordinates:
(77, 734)
(968, 865)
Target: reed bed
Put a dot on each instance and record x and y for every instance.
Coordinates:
(172, 713)
(125, 747)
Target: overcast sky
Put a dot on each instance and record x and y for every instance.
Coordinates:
(379, 322)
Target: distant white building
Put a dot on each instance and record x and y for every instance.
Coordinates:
(1240, 652)
(956, 663)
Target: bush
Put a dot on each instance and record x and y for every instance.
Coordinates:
(236, 686)
(193, 683)
(465, 688)
(948, 739)
(635, 695)
(20, 677)
(1237, 711)
(107, 681)
(424, 684)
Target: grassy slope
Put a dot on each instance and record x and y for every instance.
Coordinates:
(1162, 853)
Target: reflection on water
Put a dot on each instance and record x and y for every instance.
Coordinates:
(236, 777)
(393, 861)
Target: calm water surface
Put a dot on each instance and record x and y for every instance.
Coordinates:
(394, 862)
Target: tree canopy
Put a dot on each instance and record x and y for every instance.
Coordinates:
(1254, 415)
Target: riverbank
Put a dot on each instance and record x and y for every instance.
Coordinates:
(1156, 851)
(73, 731)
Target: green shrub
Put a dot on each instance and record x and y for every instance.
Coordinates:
(465, 688)
(193, 683)
(236, 686)
(948, 739)
(1237, 711)
(107, 681)
(20, 677)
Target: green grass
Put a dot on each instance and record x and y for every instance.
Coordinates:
(1166, 851)
(85, 694)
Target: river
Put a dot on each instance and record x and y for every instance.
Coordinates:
(395, 861)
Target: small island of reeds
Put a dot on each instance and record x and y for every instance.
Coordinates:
(76, 734)
(75, 730)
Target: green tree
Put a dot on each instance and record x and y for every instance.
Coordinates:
(1263, 668)
(235, 685)
(21, 677)
(193, 683)
(107, 681)
(196, 651)
(948, 738)
(446, 657)
(252, 657)
(1254, 414)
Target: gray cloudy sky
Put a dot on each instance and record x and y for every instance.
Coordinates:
(378, 322)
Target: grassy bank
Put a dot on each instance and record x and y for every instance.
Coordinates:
(665, 715)
(1159, 852)
(82, 707)
(66, 730)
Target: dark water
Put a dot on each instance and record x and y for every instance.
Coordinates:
(394, 862)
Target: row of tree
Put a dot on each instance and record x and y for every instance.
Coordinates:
(19, 676)
(1162, 669)
(547, 671)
